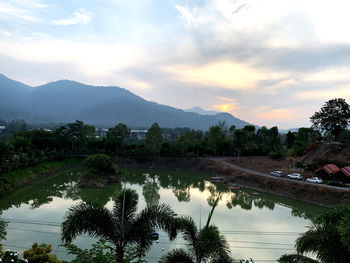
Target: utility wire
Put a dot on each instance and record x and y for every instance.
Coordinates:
(182, 244)
(228, 232)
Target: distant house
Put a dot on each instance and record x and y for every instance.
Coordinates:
(139, 134)
(344, 174)
(2, 128)
(328, 171)
(101, 132)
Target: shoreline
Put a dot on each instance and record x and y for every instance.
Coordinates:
(310, 193)
(14, 180)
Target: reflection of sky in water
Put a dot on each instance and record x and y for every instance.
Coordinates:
(246, 220)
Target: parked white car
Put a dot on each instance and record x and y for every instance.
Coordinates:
(277, 173)
(314, 180)
(295, 176)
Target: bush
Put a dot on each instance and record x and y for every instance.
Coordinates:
(100, 163)
(40, 254)
(11, 257)
(278, 154)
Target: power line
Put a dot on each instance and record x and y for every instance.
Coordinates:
(228, 232)
(183, 244)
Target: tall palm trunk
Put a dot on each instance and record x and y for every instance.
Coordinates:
(119, 255)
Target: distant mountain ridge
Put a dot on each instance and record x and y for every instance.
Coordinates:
(103, 106)
(201, 111)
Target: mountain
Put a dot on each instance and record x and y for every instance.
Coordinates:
(201, 111)
(67, 101)
(12, 97)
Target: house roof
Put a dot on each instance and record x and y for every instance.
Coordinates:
(330, 169)
(346, 171)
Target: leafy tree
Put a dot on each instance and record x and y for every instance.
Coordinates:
(99, 253)
(10, 256)
(333, 117)
(290, 138)
(40, 254)
(100, 163)
(116, 136)
(122, 227)
(205, 245)
(154, 139)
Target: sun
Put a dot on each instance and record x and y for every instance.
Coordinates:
(225, 107)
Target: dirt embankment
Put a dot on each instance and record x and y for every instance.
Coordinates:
(287, 188)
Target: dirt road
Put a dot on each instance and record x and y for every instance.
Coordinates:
(226, 161)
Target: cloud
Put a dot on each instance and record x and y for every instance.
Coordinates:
(222, 74)
(12, 12)
(327, 94)
(80, 17)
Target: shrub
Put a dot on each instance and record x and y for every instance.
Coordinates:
(40, 254)
(100, 163)
(278, 154)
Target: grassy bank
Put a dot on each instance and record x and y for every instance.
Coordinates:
(18, 178)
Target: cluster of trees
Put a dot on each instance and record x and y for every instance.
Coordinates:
(27, 148)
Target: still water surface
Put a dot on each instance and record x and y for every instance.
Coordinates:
(261, 226)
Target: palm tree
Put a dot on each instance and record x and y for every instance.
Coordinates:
(122, 227)
(205, 245)
(328, 238)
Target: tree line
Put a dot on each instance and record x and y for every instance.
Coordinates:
(20, 148)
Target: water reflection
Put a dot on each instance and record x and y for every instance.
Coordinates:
(245, 200)
(150, 191)
(63, 185)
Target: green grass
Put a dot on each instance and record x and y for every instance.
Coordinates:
(17, 178)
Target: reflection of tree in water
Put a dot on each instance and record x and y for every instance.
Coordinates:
(304, 214)
(200, 185)
(180, 185)
(246, 200)
(134, 177)
(214, 194)
(181, 188)
(41, 192)
(182, 195)
(150, 191)
(100, 196)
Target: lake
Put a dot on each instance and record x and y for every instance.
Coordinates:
(257, 225)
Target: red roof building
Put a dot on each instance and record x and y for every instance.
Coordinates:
(344, 174)
(328, 171)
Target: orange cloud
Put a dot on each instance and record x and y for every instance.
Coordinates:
(277, 114)
(224, 74)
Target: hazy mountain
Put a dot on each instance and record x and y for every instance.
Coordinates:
(12, 97)
(66, 101)
(201, 111)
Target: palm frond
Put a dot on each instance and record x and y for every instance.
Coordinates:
(344, 230)
(95, 220)
(325, 242)
(214, 245)
(176, 256)
(125, 206)
(212, 210)
(189, 232)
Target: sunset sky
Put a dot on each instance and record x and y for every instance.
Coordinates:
(268, 62)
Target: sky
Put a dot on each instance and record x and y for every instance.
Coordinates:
(271, 62)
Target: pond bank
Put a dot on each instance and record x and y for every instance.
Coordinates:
(9, 182)
(287, 188)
